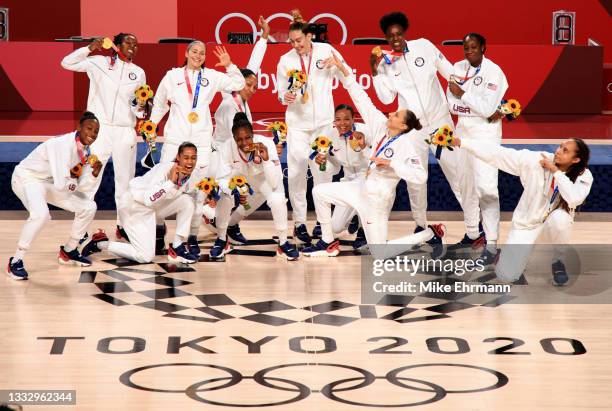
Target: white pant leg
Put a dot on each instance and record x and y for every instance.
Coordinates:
(515, 254)
(33, 197)
(102, 148)
(223, 211)
(448, 159)
(557, 230)
(276, 201)
(467, 183)
(183, 206)
(255, 201)
(168, 152)
(83, 208)
(417, 193)
(139, 223)
(341, 218)
(488, 194)
(298, 150)
(318, 176)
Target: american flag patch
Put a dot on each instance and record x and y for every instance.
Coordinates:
(276, 162)
(415, 161)
(586, 183)
(492, 86)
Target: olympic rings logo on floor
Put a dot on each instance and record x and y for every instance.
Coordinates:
(335, 390)
(287, 16)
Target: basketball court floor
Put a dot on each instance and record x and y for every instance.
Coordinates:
(259, 332)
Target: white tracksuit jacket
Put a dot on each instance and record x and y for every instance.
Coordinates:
(52, 160)
(413, 78)
(354, 163)
(224, 116)
(111, 87)
(484, 89)
(318, 111)
(173, 89)
(534, 205)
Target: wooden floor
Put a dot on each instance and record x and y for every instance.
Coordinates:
(257, 330)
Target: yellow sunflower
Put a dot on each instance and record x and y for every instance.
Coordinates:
(282, 127)
(514, 104)
(322, 142)
(301, 76)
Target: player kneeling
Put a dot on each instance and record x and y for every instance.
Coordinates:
(162, 191)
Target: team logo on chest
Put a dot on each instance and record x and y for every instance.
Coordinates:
(477, 80)
(204, 82)
(388, 152)
(419, 62)
(319, 64)
(132, 76)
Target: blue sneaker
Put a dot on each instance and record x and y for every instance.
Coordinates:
(220, 248)
(180, 254)
(301, 234)
(288, 251)
(15, 270)
(560, 276)
(194, 247)
(489, 258)
(438, 247)
(92, 246)
(466, 242)
(354, 224)
(360, 240)
(316, 231)
(72, 258)
(234, 235)
(436, 239)
(322, 249)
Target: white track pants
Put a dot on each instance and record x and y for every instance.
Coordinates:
(35, 195)
(262, 192)
(119, 143)
(298, 152)
(448, 162)
(139, 223)
(556, 229)
(478, 182)
(373, 212)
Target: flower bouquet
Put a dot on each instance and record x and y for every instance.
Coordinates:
(297, 83)
(240, 187)
(321, 145)
(441, 137)
(510, 108)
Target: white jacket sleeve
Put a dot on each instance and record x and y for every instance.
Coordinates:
(77, 60)
(444, 67)
(160, 101)
(486, 104)
(574, 193)
(257, 55)
(384, 91)
(282, 81)
(506, 159)
(139, 112)
(233, 80)
(59, 159)
(408, 166)
(373, 118)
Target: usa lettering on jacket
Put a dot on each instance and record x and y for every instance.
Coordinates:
(157, 195)
(461, 109)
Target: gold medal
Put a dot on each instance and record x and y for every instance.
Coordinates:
(92, 159)
(193, 117)
(107, 43)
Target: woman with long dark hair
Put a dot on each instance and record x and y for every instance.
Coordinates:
(554, 185)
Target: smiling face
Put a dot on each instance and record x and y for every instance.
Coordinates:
(300, 42)
(344, 121)
(187, 159)
(88, 131)
(129, 46)
(565, 155)
(250, 87)
(473, 51)
(196, 55)
(243, 138)
(396, 122)
(395, 37)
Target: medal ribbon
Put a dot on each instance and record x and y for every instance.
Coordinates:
(82, 150)
(197, 90)
(380, 149)
(237, 99)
